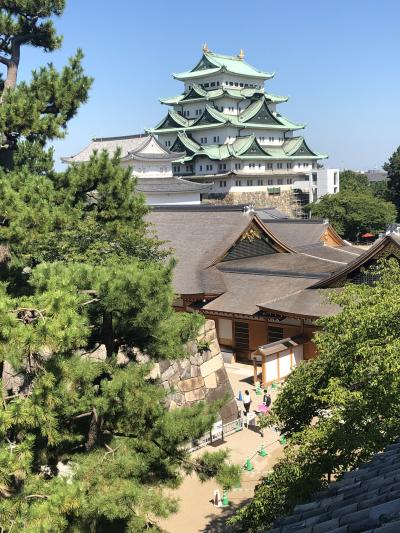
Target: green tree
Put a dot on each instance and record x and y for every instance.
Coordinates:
(353, 181)
(340, 408)
(33, 113)
(352, 212)
(392, 167)
(86, 441)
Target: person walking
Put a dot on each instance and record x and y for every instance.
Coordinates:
(246, 401)
(267, 398)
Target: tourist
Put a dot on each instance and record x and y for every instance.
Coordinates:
(246, 401)
(267, 398)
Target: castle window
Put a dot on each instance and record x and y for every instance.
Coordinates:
(270, 166)
(222, 166)
(272, 139)
(213, 84)
(206, 85)
(222, 183)
(279, 165)
(238, 183)
(289, 181)
(238, 166)
(260, 182)
(288, 165)
(241, 85)
(236, 84)
(270, 182)
(201, 168)
(216, 139)
(249, 183)
(280, 181)
(231, 83)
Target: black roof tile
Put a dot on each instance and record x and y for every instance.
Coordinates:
(366, 500)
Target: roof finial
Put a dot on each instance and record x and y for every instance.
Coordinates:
(205, 47)
(241, 54)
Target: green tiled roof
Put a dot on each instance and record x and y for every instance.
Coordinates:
(212, 63)
(248, 148)
(257, 115)
(239, 94)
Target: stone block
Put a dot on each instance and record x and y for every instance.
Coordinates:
(185, 370)
(155, 372)
(165, 384)
(191, 347)
(211, 366)
(222, 376)
(209, 325)
(168, 373)
(229, 412)
(191, 384)
(164, 365)
(174, 379)
(195, 395)
(210, 381)
(194, 371)
(196, 359)
(220, 392)
(210, 335)
(214, 347)
(178, 398)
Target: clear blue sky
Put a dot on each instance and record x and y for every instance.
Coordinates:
(338, 60)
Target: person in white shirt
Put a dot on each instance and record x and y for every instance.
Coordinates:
(246, 401)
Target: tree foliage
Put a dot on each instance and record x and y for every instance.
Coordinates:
(342, 407)
(392, 167)
(86, 441)
(39, 110)
(354, 210)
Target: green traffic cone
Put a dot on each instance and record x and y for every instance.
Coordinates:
(248, 466)
(225, 500)
(262, 452)
(282, 440)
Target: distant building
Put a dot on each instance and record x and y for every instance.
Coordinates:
(226, 129)
(151, 163)
(376, 175)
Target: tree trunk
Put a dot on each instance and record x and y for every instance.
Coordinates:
(94, 429)
(7, 151)
(12, 67)
(108, 333)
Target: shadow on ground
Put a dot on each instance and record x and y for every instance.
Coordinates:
(217, 524)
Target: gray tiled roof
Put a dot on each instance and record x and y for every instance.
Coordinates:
(297, 232)
(110, 145)
(366, 500)
(170, 185)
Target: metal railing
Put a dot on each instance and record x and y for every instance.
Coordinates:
(216, 434)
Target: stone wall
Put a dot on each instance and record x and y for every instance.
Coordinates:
(285, 202)
(202, 376)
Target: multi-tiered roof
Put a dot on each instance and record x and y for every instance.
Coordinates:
(256, 115)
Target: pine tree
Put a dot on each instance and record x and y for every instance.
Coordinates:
(40, 110)
(85, 289)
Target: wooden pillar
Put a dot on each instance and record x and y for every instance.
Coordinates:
(264, 370)
(255, 370)
(291, 357)
(277, 362)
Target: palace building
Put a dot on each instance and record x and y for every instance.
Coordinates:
(230, 132)
(151, 164)
(263, 280)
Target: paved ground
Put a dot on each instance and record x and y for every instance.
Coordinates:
(196, 513)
